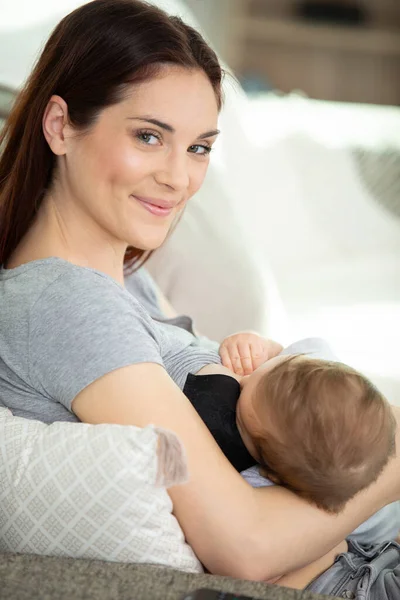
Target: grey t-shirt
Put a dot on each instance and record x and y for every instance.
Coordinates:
(143, 287)
(63, 326)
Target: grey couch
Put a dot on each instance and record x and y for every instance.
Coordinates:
(28, 577)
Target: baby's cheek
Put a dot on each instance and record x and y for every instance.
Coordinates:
(245, 422)
(245, 406)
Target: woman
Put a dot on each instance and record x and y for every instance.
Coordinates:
(105, 145)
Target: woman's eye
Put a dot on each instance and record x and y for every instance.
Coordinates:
(150, 139)
(199, 149)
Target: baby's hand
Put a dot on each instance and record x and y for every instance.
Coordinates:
(242, 353)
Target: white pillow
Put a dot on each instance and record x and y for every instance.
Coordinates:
(91, 491)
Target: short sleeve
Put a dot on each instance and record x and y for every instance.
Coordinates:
(82, 327)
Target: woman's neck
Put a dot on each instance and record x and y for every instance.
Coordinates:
(53, 235)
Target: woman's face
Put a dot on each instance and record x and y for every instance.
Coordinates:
(136, 168)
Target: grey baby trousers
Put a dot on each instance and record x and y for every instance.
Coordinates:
(362, 573)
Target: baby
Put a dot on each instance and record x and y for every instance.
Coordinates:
(317, 427)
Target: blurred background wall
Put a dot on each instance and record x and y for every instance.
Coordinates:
(346, 50)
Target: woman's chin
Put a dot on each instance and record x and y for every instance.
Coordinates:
(149, 243)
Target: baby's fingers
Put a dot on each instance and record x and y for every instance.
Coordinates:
(258, 355)
(225, 358)
(246, 363)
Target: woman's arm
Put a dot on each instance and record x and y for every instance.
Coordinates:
(234, 529)
(302, 577)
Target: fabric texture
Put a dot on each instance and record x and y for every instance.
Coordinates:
(380, 171)
(363, 573)
(91, 491)
(27, 577)
(63, 326)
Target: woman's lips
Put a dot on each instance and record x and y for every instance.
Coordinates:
(154, 209)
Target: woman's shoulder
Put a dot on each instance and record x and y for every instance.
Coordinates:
(84, 279)
(82, 326)
(53, 270)
(56, 276)
(79, 303)
(81, 288)
(56, 286)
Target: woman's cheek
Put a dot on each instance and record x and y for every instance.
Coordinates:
(198, 177)
(132, 165)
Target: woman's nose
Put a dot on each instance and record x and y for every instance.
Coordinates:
(174, 172)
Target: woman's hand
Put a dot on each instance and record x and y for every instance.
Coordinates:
(244, 352)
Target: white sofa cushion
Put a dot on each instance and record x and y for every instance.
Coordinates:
(91, 491)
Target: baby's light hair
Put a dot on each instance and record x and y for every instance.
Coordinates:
(326, 432)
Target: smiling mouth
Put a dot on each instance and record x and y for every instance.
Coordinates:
(155, 209)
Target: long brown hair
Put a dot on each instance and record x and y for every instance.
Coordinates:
(91, 57)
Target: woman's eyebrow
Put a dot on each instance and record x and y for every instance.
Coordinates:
(169, 128)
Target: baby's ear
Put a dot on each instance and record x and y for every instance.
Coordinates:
(271, 476)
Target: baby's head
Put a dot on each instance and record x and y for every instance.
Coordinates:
(319, 428)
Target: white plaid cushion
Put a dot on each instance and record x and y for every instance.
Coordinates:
(91, 491)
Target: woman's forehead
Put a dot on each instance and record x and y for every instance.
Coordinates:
(176, 95)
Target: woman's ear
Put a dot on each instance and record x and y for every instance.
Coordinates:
(55, 120)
